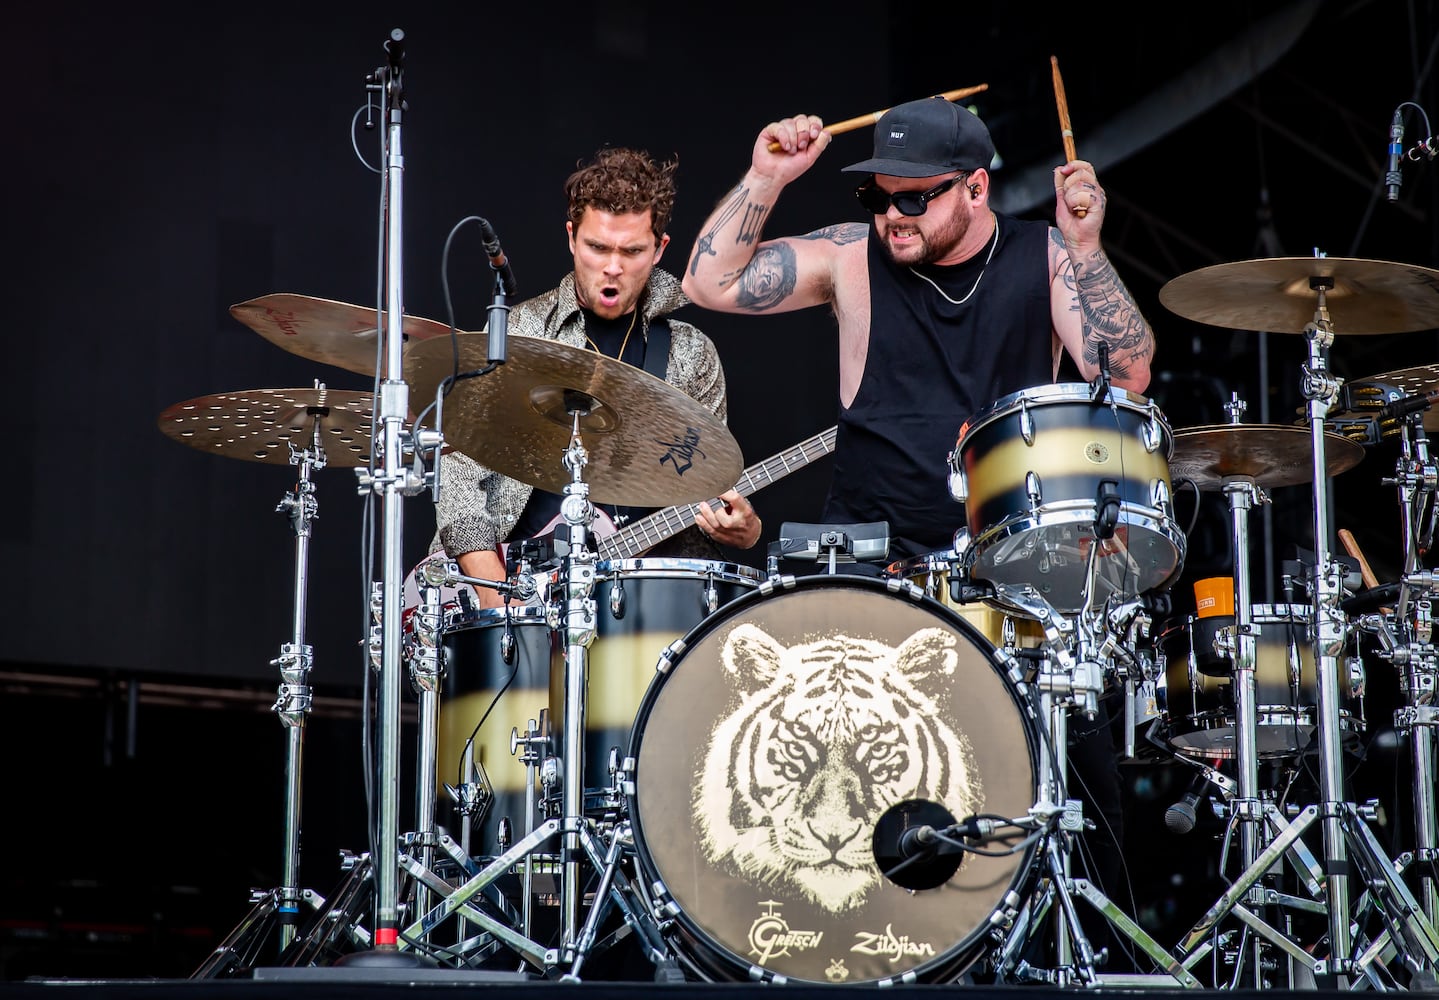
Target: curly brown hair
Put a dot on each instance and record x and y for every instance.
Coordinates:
(620, 180)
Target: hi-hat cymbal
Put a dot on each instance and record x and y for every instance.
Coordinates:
(333, 333)
(1277, 295)
(1271, 455)
(649, 444)
(259, 425)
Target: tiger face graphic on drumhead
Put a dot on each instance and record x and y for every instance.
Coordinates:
(826, 736)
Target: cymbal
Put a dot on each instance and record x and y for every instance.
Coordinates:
(1276, 295)
(333, 333)
(258, 425)
(649, 444)
(1365, 396)
(1272, 455)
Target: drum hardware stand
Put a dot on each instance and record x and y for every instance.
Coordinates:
(1074, 956)
(457, 899)
(614, 887)
(1076, 684)
(1417, 478)
(1342, 823)
(292, 706)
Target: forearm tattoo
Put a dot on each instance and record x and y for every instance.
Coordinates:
(769, 279)
(705, 244)
(1108, 312)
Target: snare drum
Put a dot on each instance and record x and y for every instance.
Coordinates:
(1047, 472)
(933, 572)
(1196, 696)
(779, 737)
(642, 605)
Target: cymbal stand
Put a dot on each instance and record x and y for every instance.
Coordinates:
(1341, 822)
(1416, 658)
(579, 624)
(1070, 676)
(292, 706)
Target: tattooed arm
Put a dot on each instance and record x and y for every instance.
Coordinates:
(731, 269)
(1089, 304)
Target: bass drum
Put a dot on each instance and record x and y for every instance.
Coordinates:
(775, 740)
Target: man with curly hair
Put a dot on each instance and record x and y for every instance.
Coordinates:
(617, 302)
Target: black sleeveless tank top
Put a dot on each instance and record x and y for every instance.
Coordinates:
(931, 365)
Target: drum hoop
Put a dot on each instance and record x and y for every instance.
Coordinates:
(662, 567)
(489, 617)
(719, 950)
(1051, 393)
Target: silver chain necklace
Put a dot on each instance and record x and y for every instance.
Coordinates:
(994, 243)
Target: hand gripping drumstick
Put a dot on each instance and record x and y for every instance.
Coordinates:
(1065, 132)
(860, 121)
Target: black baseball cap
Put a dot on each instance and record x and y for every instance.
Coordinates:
(927, 137)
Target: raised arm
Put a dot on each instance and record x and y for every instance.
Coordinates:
(730, 268)
(1089, 303)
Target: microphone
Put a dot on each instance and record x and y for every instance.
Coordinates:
(1393, 178)
(498, 325)
(1405, 405)
(1181, 817)
(918, 840)
(498, 261)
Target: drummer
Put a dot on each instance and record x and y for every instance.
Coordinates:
(943, 305)
(616, 301)
(965, 305)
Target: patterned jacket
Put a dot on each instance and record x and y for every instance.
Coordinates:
(478, 507)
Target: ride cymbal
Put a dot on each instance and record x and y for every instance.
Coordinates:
(260, 425)
(1277, 295)
(333, 333)
(1270, 454)
(649, 444)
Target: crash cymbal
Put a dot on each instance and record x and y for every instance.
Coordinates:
(649, 444)
(1277, 295)
(1272, 455)
(1363, 398)
(333, 333)
(258, 425)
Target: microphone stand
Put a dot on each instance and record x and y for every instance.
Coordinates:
(391, 480)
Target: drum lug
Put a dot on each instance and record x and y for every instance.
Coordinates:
(1153, 430)
(710, 601)
(1034, 488)
(1026, 423)
(958, 482)
(1159, 497)
(617, 599)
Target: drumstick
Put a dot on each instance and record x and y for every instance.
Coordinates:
(1065, 132)
(860, 121)
(1352, 547)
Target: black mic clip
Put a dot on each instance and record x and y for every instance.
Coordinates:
(1099, 387)
(1393, 177)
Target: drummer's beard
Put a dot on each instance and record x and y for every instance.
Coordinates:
(931, 247)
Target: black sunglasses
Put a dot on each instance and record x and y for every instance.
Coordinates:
(876, 201)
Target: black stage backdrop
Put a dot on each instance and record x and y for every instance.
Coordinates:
(165, 167)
